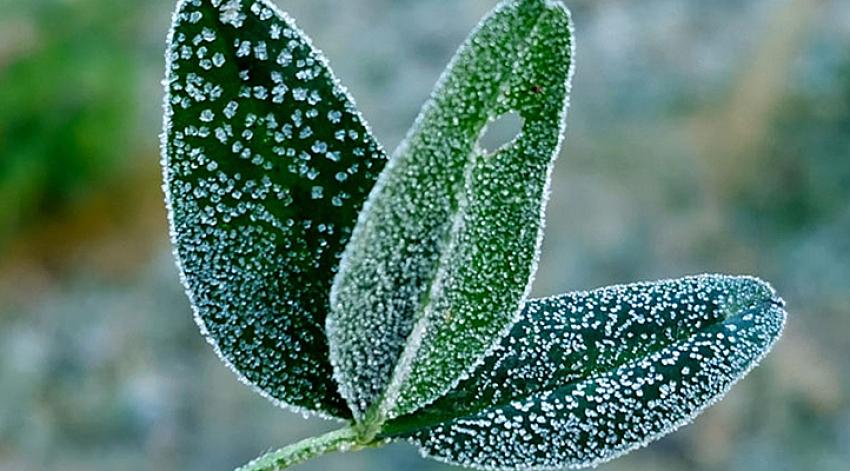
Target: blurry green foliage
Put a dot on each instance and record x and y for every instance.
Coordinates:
(808, 181)
(66, 103)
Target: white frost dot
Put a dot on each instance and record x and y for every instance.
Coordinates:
(231, 13)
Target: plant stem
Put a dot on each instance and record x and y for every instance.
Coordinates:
(339, 440)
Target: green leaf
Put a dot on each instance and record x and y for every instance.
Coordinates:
(444, 251)
(588, 376)
(267, 164)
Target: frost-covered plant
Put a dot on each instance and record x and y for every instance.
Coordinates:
(392, 294)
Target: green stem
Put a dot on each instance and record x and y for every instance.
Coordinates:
(339, 440)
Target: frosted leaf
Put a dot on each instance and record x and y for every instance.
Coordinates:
(256, 233)
(585, 377)
(443, 254)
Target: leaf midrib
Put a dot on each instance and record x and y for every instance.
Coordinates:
(377, 413)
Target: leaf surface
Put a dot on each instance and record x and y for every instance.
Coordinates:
(266, 164)
(585, 377)
(444, 251)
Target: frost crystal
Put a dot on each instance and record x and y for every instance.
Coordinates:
(443, 254)
(258, 225)
(588, 376)
(231, 13)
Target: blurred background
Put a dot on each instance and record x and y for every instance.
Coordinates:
(703, 137)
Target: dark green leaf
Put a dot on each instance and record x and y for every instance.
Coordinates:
(588, 376)
(267, 164)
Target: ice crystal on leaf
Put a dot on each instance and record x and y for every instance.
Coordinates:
(395, 296)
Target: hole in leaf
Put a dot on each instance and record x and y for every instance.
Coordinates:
(501, 131)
